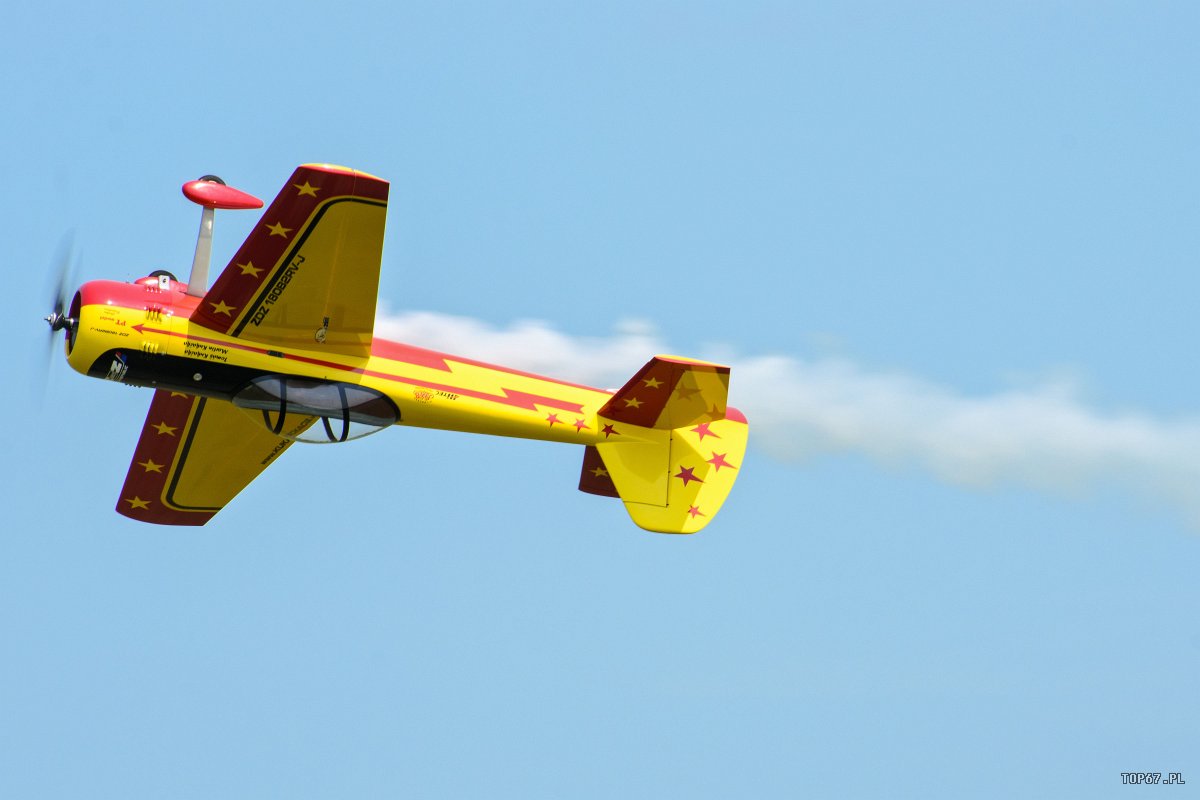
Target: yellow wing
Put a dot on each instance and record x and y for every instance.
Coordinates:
(308, 274)
(195, 454)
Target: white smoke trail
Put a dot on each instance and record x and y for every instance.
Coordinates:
(1042, 437)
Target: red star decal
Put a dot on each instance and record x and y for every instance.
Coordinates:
(718, 461)
(702, 430)
(695, 512)
(580, 425)
(609, 430)
(687, 475)
(552, 419)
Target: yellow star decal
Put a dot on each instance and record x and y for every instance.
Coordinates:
(599, 472)
(137, 502)
(249, 269)
(163, 427)
(219, 307)
(278, 230)
(306, 189)
(633, 402)
(652, 383)
(150, 466)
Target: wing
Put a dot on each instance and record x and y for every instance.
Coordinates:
(308, 274)
(195, 454)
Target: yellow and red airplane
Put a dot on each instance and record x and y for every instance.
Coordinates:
(281, 350)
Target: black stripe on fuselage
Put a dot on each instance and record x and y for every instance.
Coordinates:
(176, 373)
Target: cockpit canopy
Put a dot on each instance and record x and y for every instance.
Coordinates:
(307, 410)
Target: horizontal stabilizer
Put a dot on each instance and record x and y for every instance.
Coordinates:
(671, 392)
(594, 477)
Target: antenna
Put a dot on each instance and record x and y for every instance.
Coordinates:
(211, 193)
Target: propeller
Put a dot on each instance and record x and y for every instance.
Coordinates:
(62, 271)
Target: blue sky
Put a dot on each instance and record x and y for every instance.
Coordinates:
(949, 251)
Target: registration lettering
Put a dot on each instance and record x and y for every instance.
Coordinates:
(277, 289)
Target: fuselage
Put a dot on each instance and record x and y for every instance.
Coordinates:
(141, 334)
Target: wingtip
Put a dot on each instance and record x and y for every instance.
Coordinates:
(338, 169)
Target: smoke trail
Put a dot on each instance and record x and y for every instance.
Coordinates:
(1042, 437)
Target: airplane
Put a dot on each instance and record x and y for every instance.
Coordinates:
(281, 350)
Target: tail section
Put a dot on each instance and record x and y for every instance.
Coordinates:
(672, 446)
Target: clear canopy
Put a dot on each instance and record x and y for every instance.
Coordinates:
(316, 411)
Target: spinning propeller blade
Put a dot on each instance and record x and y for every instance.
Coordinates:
(63, 270)
(63, 273)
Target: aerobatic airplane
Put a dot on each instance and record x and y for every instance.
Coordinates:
(281, 350)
